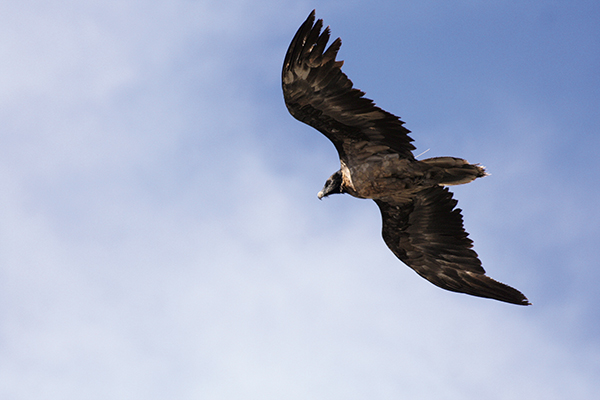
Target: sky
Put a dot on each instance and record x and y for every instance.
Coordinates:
(161, 236)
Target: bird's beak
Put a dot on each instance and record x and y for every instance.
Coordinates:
(320, 195)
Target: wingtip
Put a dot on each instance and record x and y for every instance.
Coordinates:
(526, 302)
(311, 17)
(513, 296)
(503, 292)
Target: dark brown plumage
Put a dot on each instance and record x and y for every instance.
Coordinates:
(421, 225)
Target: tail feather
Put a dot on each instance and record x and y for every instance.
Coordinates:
(456, 171)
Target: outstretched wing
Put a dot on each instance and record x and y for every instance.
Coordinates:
(427, 234)
(318, 93)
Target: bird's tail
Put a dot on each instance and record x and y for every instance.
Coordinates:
(455, 171)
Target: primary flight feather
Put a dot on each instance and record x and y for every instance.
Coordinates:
(421, 225)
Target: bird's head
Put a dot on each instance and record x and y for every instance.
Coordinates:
(332, 186)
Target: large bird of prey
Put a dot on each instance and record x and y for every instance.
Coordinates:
(421, 225)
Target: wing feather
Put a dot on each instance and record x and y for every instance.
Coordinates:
(428, 235)
(318, 93)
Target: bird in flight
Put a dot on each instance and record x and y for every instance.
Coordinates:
(421, 225)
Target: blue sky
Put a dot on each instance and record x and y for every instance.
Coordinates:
(160, 234)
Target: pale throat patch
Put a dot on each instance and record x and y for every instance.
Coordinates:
(346, 176)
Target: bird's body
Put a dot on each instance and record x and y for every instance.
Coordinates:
(421, 225)
(386, 176)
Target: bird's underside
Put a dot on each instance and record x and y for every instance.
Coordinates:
(421, 224)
